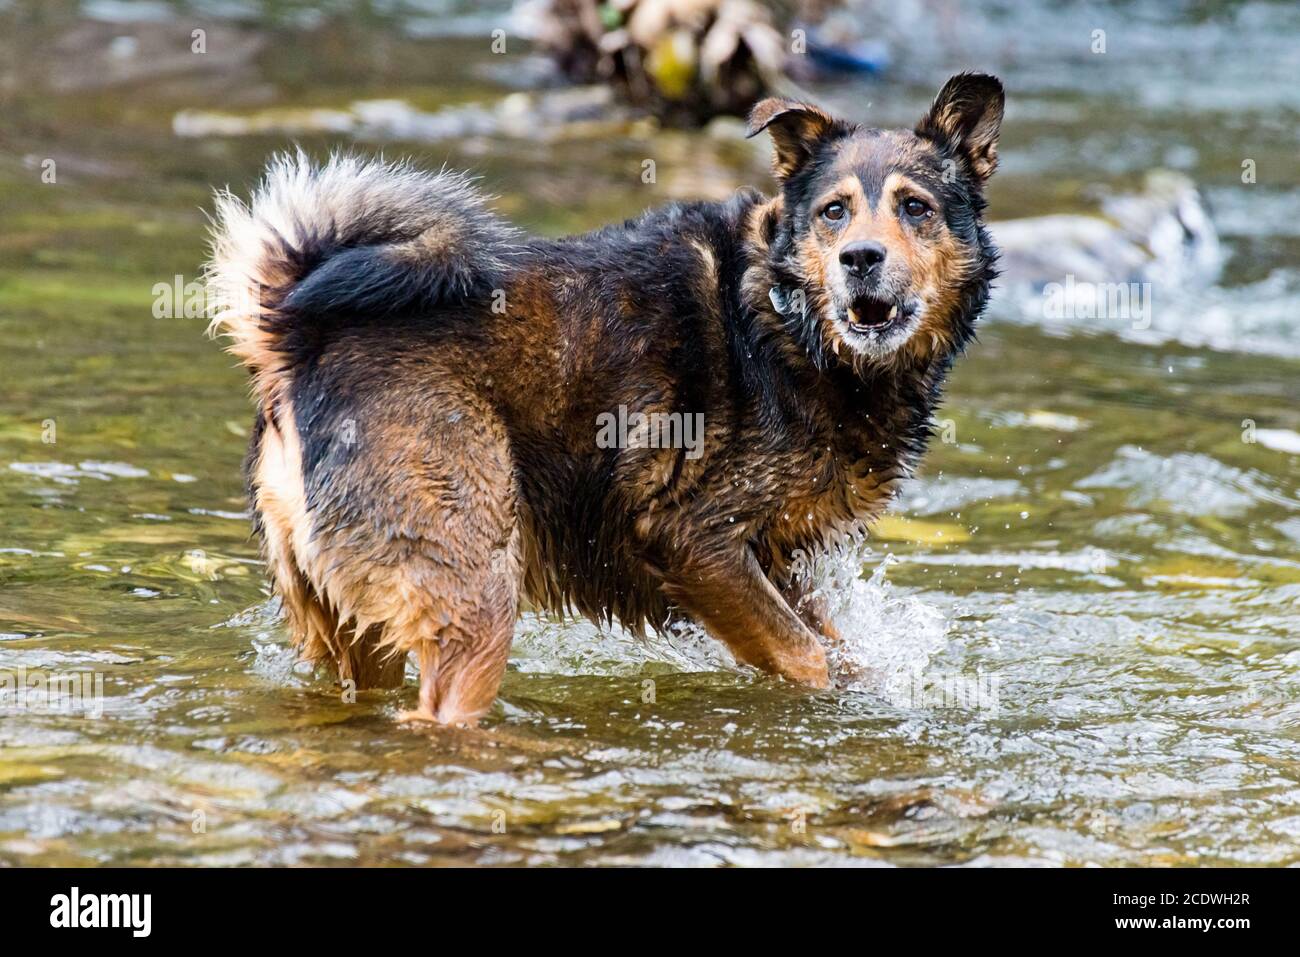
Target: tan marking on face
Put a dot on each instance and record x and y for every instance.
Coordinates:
(880, 223)
(939, 276)
(821, 257)
(903, 239)
(937, 266)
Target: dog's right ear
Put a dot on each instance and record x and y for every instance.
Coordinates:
(795, 128)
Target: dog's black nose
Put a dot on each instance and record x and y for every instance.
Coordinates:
(860, 258)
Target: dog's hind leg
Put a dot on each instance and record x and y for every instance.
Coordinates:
(395, 531)
(423, 543)
(461, 670)
(364, 660)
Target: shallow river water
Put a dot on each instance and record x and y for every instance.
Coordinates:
(1075, 640)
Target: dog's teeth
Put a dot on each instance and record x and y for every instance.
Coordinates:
(853, 316)
(893, 311)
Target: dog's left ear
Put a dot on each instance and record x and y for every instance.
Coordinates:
(967, 115)
(795, 128)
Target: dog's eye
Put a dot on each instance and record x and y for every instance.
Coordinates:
(834, 211)
(916, 209)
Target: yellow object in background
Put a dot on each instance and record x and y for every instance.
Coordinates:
(673, 64)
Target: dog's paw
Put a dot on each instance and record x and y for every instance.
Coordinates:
(410, 717)
(422, 716)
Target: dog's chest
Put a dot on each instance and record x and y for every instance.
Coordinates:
(830, 489)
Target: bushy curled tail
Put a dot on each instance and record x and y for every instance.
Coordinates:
(354, 239)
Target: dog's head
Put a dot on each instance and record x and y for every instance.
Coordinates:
(877, 246)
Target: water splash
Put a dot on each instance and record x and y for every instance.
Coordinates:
(887, 637)
(274, 657)
(545, 645)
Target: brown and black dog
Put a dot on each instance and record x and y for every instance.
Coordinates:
(431, 387)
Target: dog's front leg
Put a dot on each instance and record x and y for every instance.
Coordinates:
(731, 597)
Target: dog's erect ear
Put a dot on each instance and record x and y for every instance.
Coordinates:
(795, 128)
(967, 115)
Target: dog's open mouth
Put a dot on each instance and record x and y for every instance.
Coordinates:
(869, 314)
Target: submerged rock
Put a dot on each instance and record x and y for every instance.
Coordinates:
(1162, 234)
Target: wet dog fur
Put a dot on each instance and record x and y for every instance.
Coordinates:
(428, 384)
